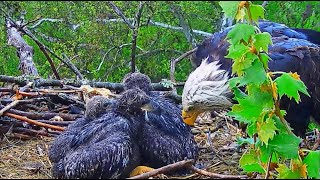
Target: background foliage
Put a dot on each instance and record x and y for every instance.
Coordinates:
(88, 41)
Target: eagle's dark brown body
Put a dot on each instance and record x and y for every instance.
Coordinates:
(294, 50)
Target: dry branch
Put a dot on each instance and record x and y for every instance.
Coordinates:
(158, 24)
(38, 82)
(182, 22)
(135, 36)
(119, 12)
(164, 169)
(30, 121)
(175, 61)
(46, 116)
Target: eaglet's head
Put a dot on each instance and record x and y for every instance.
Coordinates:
(137, 80)
(206, 89)
(98, 105)
(134, 101)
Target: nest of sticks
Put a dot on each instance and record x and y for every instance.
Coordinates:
(31, 118)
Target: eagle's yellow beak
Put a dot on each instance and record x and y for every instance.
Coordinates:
(189, 117)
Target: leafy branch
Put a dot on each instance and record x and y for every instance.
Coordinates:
(259, 107)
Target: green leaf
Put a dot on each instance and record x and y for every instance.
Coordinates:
(290, 86)
(243, 63)
(286, 173)
(267, 131)
(313, 164)
(249, 163)
(262, 41)
(255, 74)
(286, 145)
(237, 51)
(238, 93)
(252, 129)
(230, 8)
(265, 152)
(256, 12)
(250, 107)
(234, 81)
(280, 126)
(264, 59)
(239, 32)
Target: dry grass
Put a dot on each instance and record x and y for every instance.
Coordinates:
(216, 138)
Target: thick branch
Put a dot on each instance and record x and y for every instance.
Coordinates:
(134, 36)
(38, 82)
(24, 51)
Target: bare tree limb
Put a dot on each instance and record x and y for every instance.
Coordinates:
(38, 82)
(24, 51)
(30, 121)
(43, 116)
(182, 22)
(264, 3)
(119, 12)
(44, 20)
(175, 61)
(72, 66)
(159, 24)
(55, 72)
(135, 36)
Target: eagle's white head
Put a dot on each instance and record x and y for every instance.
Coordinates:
(205, 89)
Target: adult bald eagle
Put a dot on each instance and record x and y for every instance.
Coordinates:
(165, 139)
(107, 146)
(207, 89)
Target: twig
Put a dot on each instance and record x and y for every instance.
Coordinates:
(182, 22)
(59, 123)
(158, 24)
(9, 106)
(264, 3)
(29, 22)
(215, 175)
(119, 12)
(164, 169)
(213, 150)
(43, 20)
(175, 61)
(69, 64)
(268, 167)
(35, 115)
(30, 121)
(42, 48)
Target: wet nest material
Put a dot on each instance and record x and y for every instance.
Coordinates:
(216, 138)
